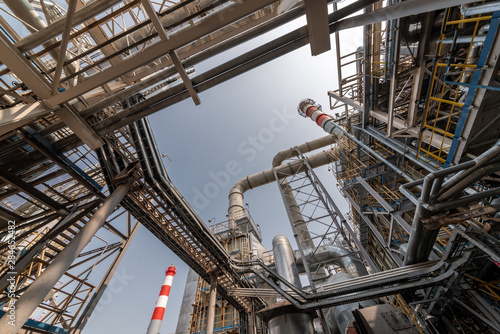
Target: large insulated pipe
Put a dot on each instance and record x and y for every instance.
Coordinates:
(340, 317)
(161, 303)
(285, 261)
(468, 10)
(39, 289)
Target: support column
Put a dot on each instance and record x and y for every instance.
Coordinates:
(211, 303)
(37, 291)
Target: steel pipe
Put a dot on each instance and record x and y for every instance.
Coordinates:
(39, 289)
(308, 109)
(329, 254)
(211, 304)
(467, 10)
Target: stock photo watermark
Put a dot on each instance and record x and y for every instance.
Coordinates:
(116, 285)
(248, 149)
(11, 263)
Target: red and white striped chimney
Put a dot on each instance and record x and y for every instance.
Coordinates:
(161, 303)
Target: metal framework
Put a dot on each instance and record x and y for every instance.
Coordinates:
(77, 79)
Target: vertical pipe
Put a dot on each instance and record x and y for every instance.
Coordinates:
(39, 289)
(161, 303)
(367, 73)
(211, 303)
(285, 261)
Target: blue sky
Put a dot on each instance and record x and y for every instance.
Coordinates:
(239, 127)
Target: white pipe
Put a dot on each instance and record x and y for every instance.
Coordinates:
(467, 10)
(267, 176)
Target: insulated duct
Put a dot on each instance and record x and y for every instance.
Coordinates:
(267, 176)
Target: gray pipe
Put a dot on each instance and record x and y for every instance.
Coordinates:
(267, 176)
(39, 289)
(329, 254)
(399, 10)
(466, 10)
(288, 323)
(211, 304)
(285, 261)
(188, 298)
(463, 39)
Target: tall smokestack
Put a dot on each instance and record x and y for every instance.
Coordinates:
(161, 303)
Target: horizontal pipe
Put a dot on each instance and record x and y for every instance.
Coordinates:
(267, 176)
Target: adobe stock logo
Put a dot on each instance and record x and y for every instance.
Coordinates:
(117, 284)
(249, 150)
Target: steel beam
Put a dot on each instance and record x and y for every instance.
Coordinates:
(79, 126)
(56, 28)
(399, 10)
(211, 304)
(23, 69)
(394, 79)
(37, 291)
(59, 160)
(317, 26)
(69, 220)
(184, 76)
(375, 194)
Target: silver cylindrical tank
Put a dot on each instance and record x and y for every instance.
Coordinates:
(292, 323)
(285, 261)
(288, 323)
